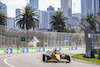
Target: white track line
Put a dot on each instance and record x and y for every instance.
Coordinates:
(5, 61)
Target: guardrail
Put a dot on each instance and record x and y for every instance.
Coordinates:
(38, 49)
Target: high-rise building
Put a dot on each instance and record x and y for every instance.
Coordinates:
(50, 8)
(59, 9)
(90, 6)
(49, 14)
(11, 22)
(45, 19)
(34, 4)
(96, 7)
(99, 6)
(66, 7)
(18, 12)
(3, 8)
(86, 7)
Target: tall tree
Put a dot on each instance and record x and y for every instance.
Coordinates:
(58, 21)
(28, 18)
(3, 17)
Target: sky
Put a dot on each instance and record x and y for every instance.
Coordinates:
(43, 4)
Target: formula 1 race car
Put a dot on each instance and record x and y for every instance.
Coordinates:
(56, 57)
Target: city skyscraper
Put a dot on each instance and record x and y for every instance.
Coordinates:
(50, 8)
(3, 8)
(59, 9)
(34, 4)
(45, 18)
(66, 7)
(18, 12)
(96, 7)
(50, 13)
(11, 22)
(86, 7)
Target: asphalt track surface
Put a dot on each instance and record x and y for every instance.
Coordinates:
(35, 60)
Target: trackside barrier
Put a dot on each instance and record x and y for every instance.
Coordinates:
(34, 49)
(16, 50)
(20, 50)
(97, 47)
(8, 50)
(41, 49)
(58, 48)
(25, 50)
(81, 47)
(49, 48)
(70, 48)
(2, 50)
(74, 48)
(65, 48)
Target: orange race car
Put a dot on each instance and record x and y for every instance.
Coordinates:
(56, 56)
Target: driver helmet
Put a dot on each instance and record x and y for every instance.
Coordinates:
(55, 51)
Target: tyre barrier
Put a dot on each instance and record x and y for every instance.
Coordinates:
(39, 49)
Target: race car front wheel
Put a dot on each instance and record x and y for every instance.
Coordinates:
(46, 59)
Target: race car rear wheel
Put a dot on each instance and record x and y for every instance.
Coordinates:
(69, 61)
(68, 58)
(43, 57)
(56, 61)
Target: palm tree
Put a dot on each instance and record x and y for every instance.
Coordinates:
(28, 19)
(58, 21)
(89, 19)
(3, 18)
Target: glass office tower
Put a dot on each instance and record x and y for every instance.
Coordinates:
(34, 4)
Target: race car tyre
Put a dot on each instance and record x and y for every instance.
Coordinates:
(56, 61)
(69, 61)
(46, 59)
(43, 57)
(68, 58)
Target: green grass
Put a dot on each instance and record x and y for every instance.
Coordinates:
(80, 57)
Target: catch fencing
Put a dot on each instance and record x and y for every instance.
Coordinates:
(96, 43)
(19, 38)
